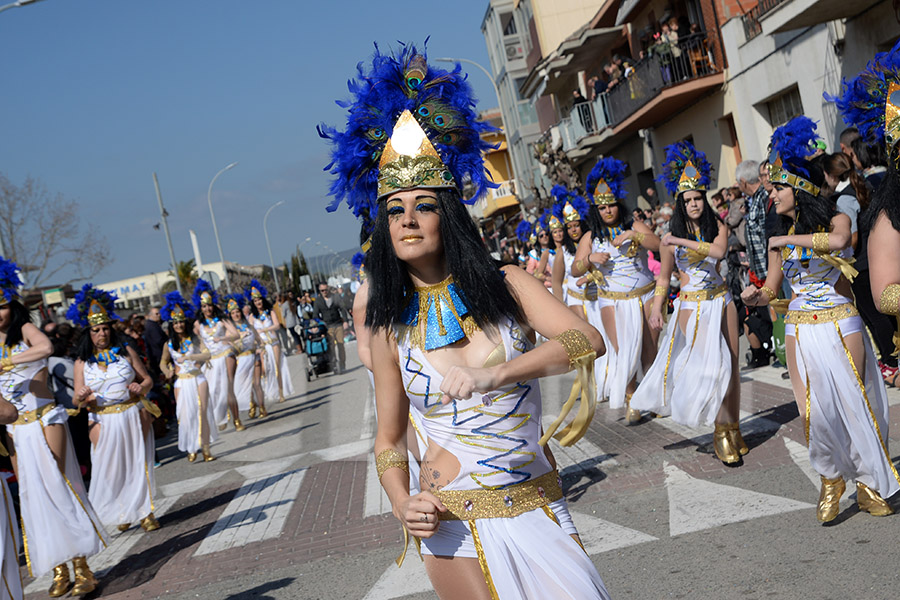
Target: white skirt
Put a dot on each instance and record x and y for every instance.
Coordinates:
(243, 380)
(187, 410)
(625, 362)
(602, 364)
(58, 520)
(122, 482)
(9, 548)
(848, 413)
(216, 373)
(273, 371)
(528, 556)
(690, 376)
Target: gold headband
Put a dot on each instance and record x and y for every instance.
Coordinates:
(690, 179)
(777, 174)
(410, 160)
(97, 315)
(603, 195)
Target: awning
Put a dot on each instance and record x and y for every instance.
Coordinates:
(806, 13)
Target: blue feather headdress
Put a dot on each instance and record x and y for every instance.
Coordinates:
(382, 149)
(256, 290)
(234, 302)
(606, 181)
(871, 100)
(176, 308)
(92, 306)
(9, 281)
(358, 264)
(204, 293)
(685, 169)
(571, 207)
(549, 221)
(525, 232)
(792, 144)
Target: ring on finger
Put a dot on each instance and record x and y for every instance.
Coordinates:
(424, 518)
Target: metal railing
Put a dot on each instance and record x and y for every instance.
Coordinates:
(507, 188)
(752, 26)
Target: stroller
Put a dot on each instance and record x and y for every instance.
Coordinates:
(317, 359)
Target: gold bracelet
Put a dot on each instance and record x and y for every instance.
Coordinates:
(702, 248)
(389, 459)
(890, 300)
(576, 345)
(661, 290)
(637, 237)
(769, 292)
(820, 243)
(6, 363)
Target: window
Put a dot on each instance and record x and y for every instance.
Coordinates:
(784, 107)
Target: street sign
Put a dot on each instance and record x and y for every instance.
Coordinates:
(212, 279)
(54, 296)
(306, 282)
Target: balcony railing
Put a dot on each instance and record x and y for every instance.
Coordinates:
(752, 26)
(507, 188)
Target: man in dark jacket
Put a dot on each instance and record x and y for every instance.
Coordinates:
(330, 310)
(154, 338)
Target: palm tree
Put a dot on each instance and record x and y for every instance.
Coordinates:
(186, 273)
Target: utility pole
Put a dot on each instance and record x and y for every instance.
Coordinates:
(165, 224)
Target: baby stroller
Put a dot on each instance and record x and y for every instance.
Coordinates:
(316, 336)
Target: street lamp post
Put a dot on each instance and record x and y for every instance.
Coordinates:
(17, 4)
(165, 223)
(269, 247)
(216, 229)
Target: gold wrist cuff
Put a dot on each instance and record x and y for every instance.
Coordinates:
(576, 345)
(660, 290)
(890, 300)
(389, 459)
(702, 248)
(6, 363)
(769, 292)
(637, 237)
(820, 243)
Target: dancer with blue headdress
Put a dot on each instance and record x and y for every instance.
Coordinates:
(111, 383)
(58, 520)
(218, 335)
(571, 210)
(248, 373)
(452, 335)
(613, 256)
(834, 374)
(182, 358)
(276, 377)
(695, 376)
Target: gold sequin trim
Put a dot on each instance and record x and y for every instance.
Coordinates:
(639, 292)
(576, 345)
(189, 375)
(813, 317)
(661, 290)
(482, 560)
(769, 292)
(890, 300)
(820, 243)
(589, 296)
(703, 295)
(702, 249)
(389, 459)
(466, 505)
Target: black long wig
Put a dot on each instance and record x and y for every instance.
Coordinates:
(217, 314)
(680, 225)
(85, 348)
(812, 213)
(188, 333)
(568, 243)
(473, 270)
(267, 306)
(19, 315)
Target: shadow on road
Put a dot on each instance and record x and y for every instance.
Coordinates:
(259, 591)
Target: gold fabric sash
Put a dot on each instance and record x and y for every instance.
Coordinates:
(189, 375)
(581, 296)
(628, 295)
(703, 295)
(814, 317)
(121, 407)
(227, 352)
(33, 416)
(466, 505)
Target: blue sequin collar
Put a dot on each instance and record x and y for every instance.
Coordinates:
(106, 357)
(445, 314)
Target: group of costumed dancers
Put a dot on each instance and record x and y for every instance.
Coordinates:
(456, 345)
(61, 521)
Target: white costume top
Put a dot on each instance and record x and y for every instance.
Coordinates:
(109, 386)
(246, 343)
(622, 273)
(570, 282)
(15, 385)
(813, 283)
(215, 329)
(187, 368)
(701, 270)
(263, 321)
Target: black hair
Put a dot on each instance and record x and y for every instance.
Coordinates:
(568, 243)
(188, 331)
(812, 213)
(467, 258)
(600, 230)
(885, 200)
(680, 224)
(84, 349)
(19, 315)
(255, 311)
(868, 155)
(217, 314)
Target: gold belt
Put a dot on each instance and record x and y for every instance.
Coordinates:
(245, 353)
(189, 375)
(579, 296)
(628, 295)
(465, 505)
(828, 315)
(221, 354)
(702, 295)
(32, 416)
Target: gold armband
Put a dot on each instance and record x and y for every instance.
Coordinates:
(576, 345)
(389, 459)
(637, 237)
(702, 248)
(890, 300)
(769, 292)
(6, 363)
(660, 290)
(820, 243)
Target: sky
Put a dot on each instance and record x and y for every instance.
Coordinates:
(100, 94)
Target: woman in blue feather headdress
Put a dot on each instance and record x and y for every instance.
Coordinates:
(613, 255)
(695, 376)
(248, 371)
(58, 521)
(276, 377)
(571, 210)
(542, 252)
(452, 336)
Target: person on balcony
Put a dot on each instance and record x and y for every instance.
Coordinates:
(581, 107)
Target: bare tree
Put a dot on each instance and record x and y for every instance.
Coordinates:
(44, 234)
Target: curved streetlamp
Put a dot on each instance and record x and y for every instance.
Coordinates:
(17, 4)
(269, 247)
(215, 228)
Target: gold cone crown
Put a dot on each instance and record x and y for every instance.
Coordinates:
(554, 223)
(255, 293)
(177, 314)
(232, 305)
(570, 214)
(410, 160)
(97, 314)
(892, 115)
(206, 298)
(690, 179)
(603, 195)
